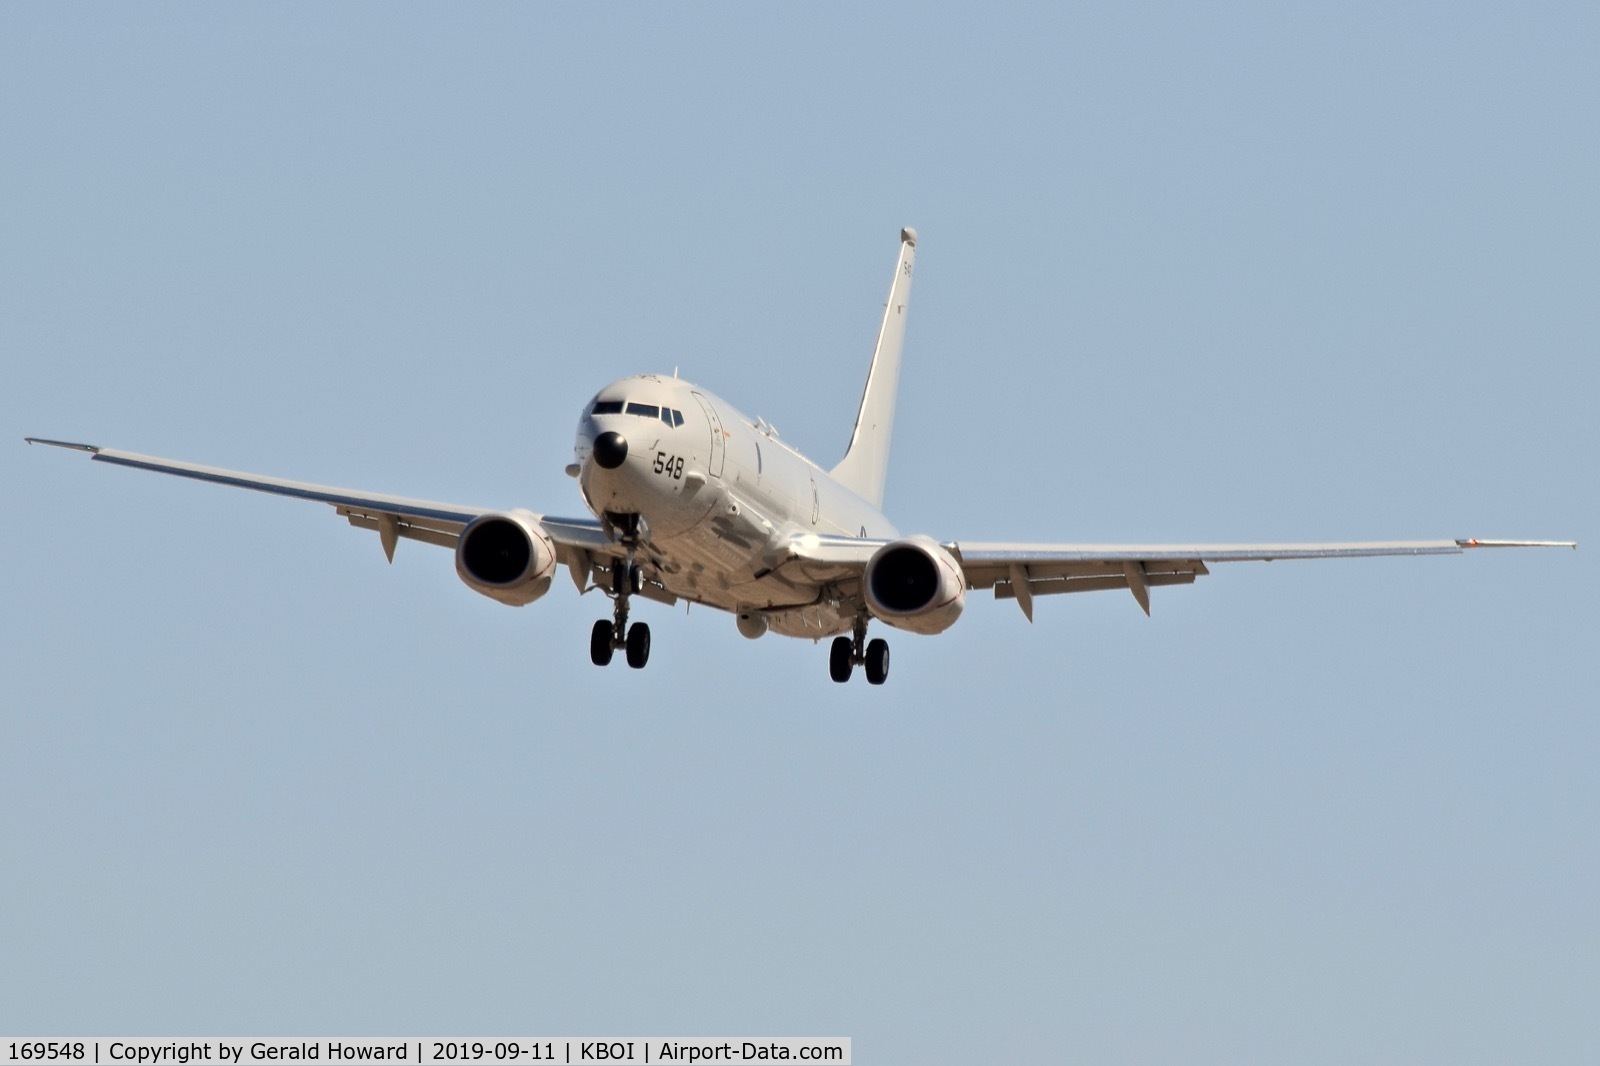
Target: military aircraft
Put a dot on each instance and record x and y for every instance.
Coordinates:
(692, 500)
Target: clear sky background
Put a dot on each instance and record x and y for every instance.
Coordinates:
(1268, 272)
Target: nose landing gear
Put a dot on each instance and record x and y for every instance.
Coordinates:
(846, 652)
(606, 637)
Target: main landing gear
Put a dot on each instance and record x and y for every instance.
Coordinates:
(607, 637)
(846, 652)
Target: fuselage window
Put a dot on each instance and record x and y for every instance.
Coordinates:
(607, 407)
(649, 410)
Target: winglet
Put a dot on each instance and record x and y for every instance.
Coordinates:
(1474, 542)
(865, 465)
(90, 448)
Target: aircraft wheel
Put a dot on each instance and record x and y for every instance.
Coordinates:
(839, 664)
(638, 645)
(600, 643)
(635, 579)
(877, 662)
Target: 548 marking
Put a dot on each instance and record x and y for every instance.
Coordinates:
(669, 466)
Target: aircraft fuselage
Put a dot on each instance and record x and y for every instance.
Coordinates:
(719, 494)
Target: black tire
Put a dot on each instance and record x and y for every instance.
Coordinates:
(877, 662)
(839, 664)
(638, 645)
(600, 643)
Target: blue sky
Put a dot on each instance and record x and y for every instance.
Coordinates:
(1257, 272)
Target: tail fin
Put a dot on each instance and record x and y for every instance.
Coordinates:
(866, 461)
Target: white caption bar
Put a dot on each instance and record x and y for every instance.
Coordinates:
(457, 1050)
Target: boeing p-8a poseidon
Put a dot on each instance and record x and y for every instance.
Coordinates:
(693, 500)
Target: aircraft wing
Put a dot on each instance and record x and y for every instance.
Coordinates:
(392, 516)
(1023, 571)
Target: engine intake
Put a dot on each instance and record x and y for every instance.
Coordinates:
(914, 584)
(507, 557)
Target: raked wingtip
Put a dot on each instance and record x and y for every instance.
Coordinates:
(63, 444)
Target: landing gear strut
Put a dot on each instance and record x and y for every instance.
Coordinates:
(607, 637)
(846, 652)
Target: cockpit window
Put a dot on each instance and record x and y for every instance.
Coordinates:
(668, 415)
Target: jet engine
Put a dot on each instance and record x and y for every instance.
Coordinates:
(914, 584)
(507, 557)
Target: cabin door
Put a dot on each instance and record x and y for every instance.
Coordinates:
(719, 440)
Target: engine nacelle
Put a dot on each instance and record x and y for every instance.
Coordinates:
(915, 584)
(752, 624)
(507, 557)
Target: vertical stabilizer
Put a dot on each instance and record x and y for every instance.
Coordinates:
(866, 461)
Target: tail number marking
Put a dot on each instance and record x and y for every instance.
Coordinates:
(669, 466)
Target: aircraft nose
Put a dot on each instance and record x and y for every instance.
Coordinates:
(610, 449)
